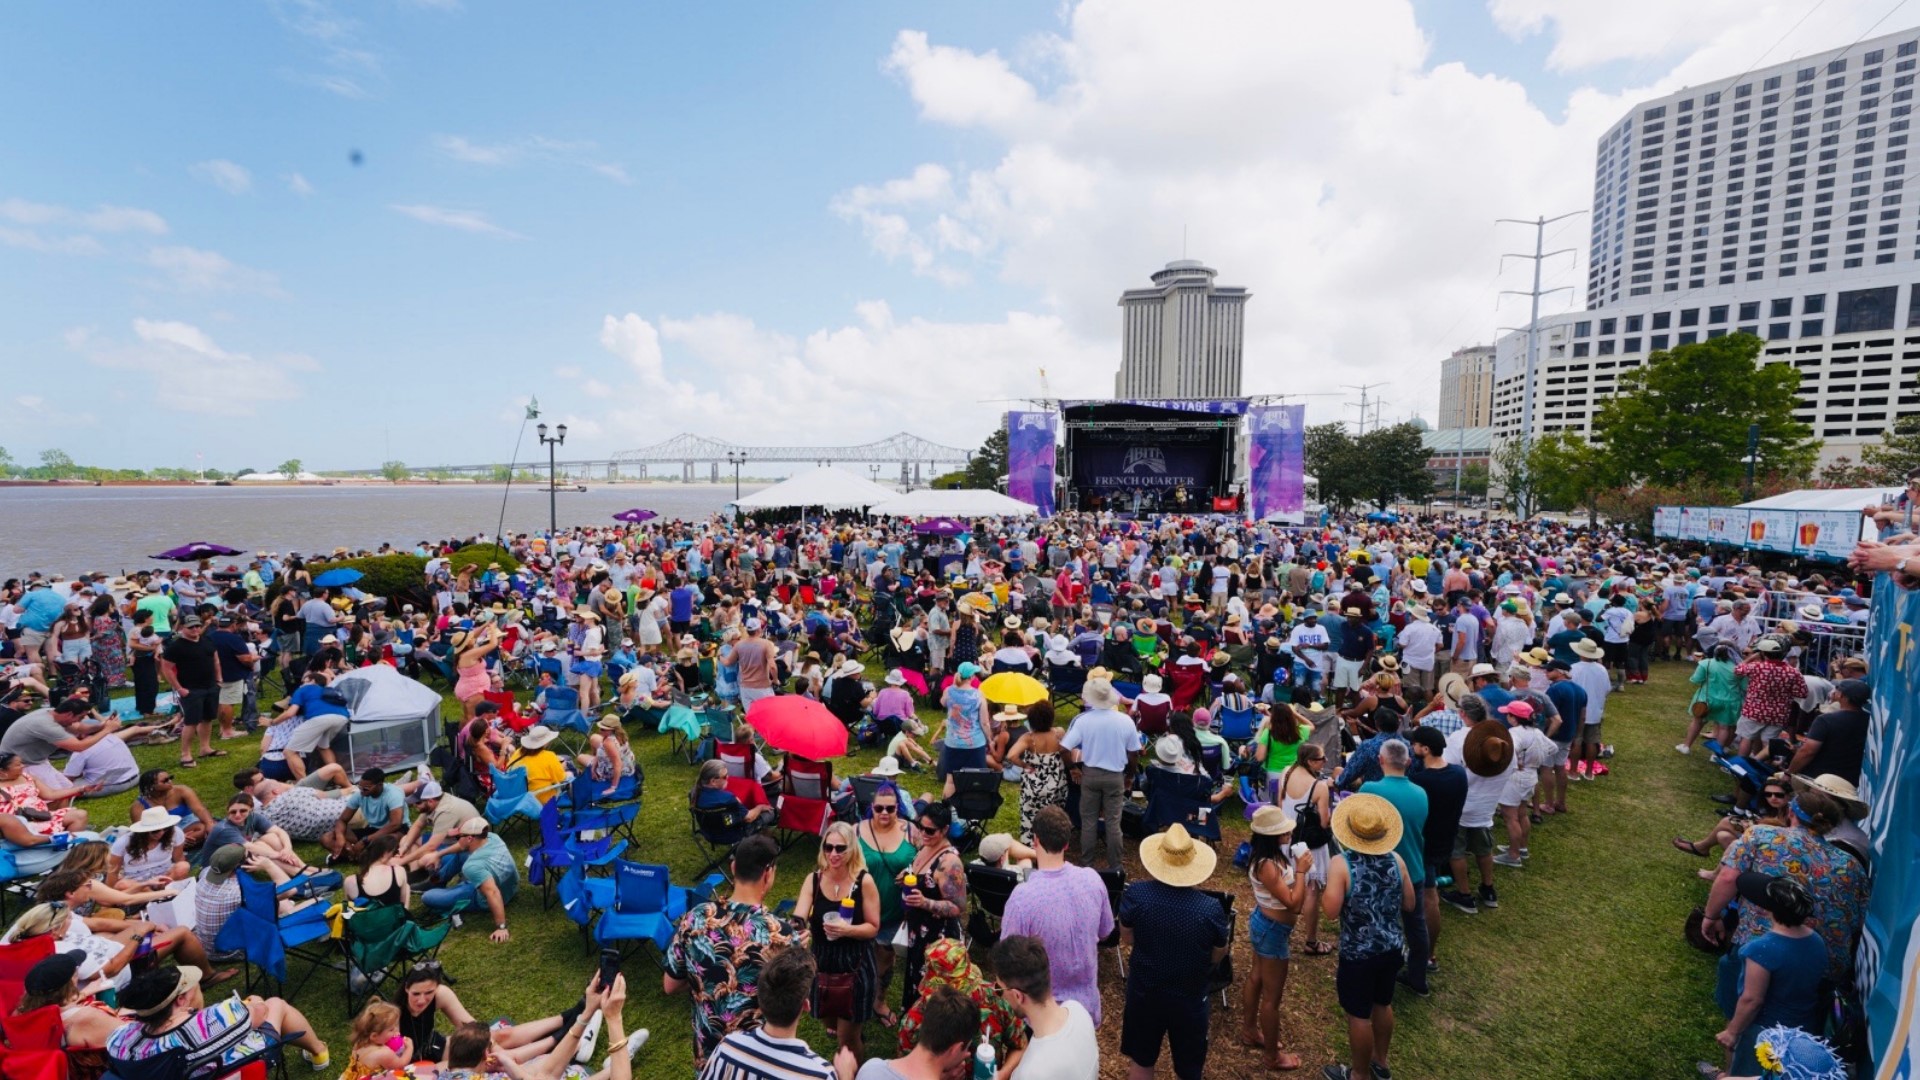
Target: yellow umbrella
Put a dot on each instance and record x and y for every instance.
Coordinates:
(978, 601)
(1013, 688)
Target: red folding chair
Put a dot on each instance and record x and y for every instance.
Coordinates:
(509, 712)
(36, 1045)
(806, 791)
(1184, 685)
(19, 957)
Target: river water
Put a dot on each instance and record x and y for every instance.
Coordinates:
(72, 530)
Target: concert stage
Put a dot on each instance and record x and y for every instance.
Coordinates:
(1151, 455)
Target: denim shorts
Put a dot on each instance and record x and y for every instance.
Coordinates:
(1271, 940)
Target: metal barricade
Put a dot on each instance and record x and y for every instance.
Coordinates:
(1830, 642)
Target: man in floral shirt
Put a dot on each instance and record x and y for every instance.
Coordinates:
(719, 949)
(1773, 685)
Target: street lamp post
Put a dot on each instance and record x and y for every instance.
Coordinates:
(736, 458)
(553, 479)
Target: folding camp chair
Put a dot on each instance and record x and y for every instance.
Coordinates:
(1065, 681)
(380, 941)
(561, 847)
(988, 888)
(1180, 797)
(976, 800)
(590, 809)
(582, 897)
(681, 725)
(267, 939)
(719, 721)
(717, 830)
(1221, 977)
(864, 789)
(806, 791)
(1116, 883)
(740, 758)
(646, 907)
(1235, 725)
(510, 714)
(511, 798)
(36, 1044)
(563, 711)
(1185, 682)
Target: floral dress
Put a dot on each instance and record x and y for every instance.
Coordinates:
(110, 649)
(1042, 783)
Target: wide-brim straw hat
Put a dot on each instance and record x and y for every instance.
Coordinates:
(154, 819)
(903, 637)
(1173, 858)
(1099, 694)
(1270, 820)
(1836, 786)
(1389, 663)
(1367, 824)
(1585, 647)
(888, 766)
(1488, 750)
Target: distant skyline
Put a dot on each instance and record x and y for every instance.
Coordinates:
(237, 234)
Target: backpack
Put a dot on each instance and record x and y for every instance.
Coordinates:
(1308, 829)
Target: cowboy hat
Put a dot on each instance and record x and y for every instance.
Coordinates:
(1453, 687)
(1270, 820)
(1390, 663)
(538, 736)
(1534, 657)
(1836, 786)
(1174, 859)
(1008, 714)
(1220, 659)
(1011, 622)
(608, 722)
(1367, 824)
(1587, 649)
(1486, 670)
(1419, 612)
(1488, 751)
(1100, 694)
(1146, 626)
(154, 819)
(888, 766)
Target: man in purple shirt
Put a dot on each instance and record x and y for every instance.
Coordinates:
(1066, 907)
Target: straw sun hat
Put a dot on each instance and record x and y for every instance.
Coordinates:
(1367, 824)
(1174, 859)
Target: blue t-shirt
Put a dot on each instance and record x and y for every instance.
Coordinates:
(1570, 698)
(1795, 967)
(378, 808)
(1495, 697)
(312, 704)
(681, 605)
(964, 730)
(1411, 801)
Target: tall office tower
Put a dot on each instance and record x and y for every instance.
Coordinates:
(1466, 388)
(1182, 337)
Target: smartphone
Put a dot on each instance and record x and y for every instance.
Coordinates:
(609, 967)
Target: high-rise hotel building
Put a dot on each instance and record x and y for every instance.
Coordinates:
(1773, 203)
(1182, 337)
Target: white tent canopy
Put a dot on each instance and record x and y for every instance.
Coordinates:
(1829, 499)
(377, 693)
(958, 503)
(827, 488)
(276, 478)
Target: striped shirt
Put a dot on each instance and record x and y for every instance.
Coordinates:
(755, 1055)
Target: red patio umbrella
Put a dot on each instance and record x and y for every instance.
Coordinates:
(797, 725)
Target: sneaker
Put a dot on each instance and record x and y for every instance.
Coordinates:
(1580, 769)
(589, 1039)
(1418, 991)
(1606, 750)
(1336, 1072)
(1462, 902)
(1682, 748)
(1489, 898)
(320, 1063)
(1508, 860)
(1381, 1072)
(635, 1041)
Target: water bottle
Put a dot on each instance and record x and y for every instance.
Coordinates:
(846, 910)
(983, 1063)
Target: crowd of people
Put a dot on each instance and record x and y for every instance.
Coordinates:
(1386, 700)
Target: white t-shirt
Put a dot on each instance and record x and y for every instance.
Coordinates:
(156, 863)
(1068, 1054)
(1483, 792)
(1418, 643)
(1616, 625)
(1311, 635)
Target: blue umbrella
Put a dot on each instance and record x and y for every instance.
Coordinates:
(345, 575)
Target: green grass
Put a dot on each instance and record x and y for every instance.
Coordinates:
(1581, 973)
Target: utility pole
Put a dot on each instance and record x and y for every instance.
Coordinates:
(1364, 402)
(1533, 320)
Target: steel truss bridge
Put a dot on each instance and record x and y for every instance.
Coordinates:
(917, 459)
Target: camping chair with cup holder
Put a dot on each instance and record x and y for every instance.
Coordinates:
(268, 940)
(1183, 798)
(976, 800)
(561, 847)
(805, 806)
(646, 907)
(380, 941)
(988, 888)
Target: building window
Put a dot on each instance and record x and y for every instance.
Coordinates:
(1863, 310)
(1750, 310)
(1913, 307)
(1690, 317)
(1775, 331)
(1688, 337)
(1812, 327)
(1634, 323)
(1583, 329)
(1657, 342)
(1606, 347)
(1781, 308)
(1606, 327)
(1581, 348)
(1814, 305)
(1717, 314)
(1662, 319)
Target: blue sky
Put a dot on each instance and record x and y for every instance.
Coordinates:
(778, 221)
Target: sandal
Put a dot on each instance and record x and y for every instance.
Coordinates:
(1316, 948)
(1281, 1062)
(886, 1017)
(214, 753)
(222, 975)
(1690, 847)
(189, 764)
(1254, 1043)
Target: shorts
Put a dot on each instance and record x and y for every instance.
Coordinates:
(1271, 940)
(954, 758)
(275, 768)
(1367, 983)
(1473, 840)
(1590, 733)
(1561, 752)
(1754, 729)
(1181, 1021)
(1520, 787)
(586, 668)
(287, 642)
(199, 706)
(315, 733)
(1346, 673)
(751, 694)
(233, 693)
(1616, 653)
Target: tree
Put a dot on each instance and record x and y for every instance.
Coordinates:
(1334, 461)
(395, 471)
(1515, 474)
(1844, 472)
(7, 466)
(1684, 417)
(1568, 471)
(989, 462)
(500, 474)
(1393, 464)
(1474, 480)
(57, 463)
(292, 468)
(949, 481)
(1897, 453)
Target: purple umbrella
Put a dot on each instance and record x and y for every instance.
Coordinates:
(196, 551)
(635, 516)
(940, 527)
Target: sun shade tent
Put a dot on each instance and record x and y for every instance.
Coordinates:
(395, 720)
(1831, 499)
(964, 503)
(827, 488)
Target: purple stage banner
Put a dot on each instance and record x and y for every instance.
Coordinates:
(1276, 460)
(1123, 467)
(1030, 459)
(1228, 407)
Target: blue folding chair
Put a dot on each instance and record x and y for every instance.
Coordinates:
(1235, 725)
(563, 710)
(582, 897)
(561, 847)
(511, 798)
(266, 939)
(590, 809)
(1180, 797)
(646, 906)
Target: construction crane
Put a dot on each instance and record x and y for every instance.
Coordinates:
(1046, 390)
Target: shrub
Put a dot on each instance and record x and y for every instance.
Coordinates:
(386, 575)
(479, 555)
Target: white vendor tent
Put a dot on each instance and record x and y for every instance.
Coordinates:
(277, 478)
(396, 720)
(827, 488)
(1828, 499)
(956, 503)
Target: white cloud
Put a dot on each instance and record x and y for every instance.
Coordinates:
(533, 148)
(100, 219)
(954, 86)
(192, 373)
(33, 240)
(1709, 39)
(194, 270)
(299, 185)
(336, 43)
(225, 175)
(464, 220)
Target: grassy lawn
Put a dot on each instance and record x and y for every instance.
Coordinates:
(1580, 973)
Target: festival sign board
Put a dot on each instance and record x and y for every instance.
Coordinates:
(1276, 460)
(1666, 522)
(1887, 965)
(1693, 523)
(1727, 525)
(1826, 534)
(1772, 530)
(1030, 458)
(1226, 407)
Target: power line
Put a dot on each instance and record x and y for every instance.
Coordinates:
(1362, 403)
(1533, 322)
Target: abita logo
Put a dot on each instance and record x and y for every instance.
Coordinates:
(1147, 457)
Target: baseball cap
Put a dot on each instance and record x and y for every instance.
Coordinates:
(54, 972)
(474, 826)
(428, 789)
(222, 864)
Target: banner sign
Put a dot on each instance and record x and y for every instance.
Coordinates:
(1827, 534)
(1218, 408)
(1136, 467)
(1276, 460)
(1666, 522)
(1693, 523)
(1030, 458)
(1888, 961)
(1727, 525)
(1772, 530)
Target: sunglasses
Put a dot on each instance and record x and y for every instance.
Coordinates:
(1776, 795)
(834, 849)
(885, 808)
